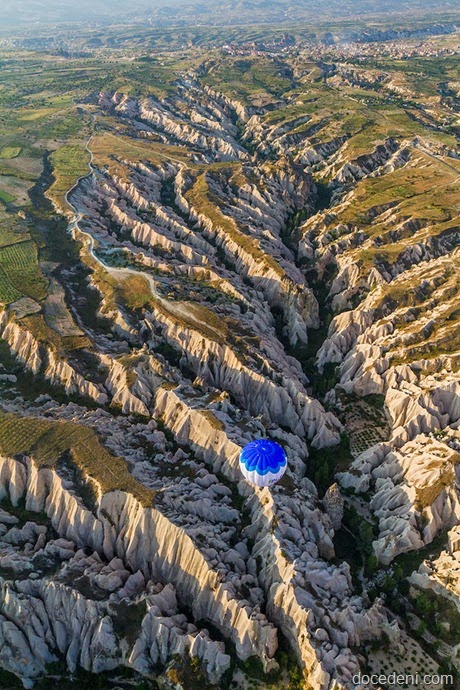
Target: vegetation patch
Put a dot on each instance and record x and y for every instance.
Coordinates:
(20, 274)
(127, 620)
(47, 441)
(213, 420)
(324, 463)
(136, 293)
(8, 152)
(188, 673)
(425, 496)
(6, 197)
(441, 615)
(203, 201)
(40, 330)
(69, 163)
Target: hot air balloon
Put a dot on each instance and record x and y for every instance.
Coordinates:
(263, 462)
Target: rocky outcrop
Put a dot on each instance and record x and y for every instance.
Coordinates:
(203, 270)
(385, 158)
(283, 285)
(214, 140)
(216, 363)
(292, 539)
(311, 600)
(58, 371)
(412, 501)
(22, 344)
(145, 542)
(122, 394)
(38, 358)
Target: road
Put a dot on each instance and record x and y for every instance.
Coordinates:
(439, 159)
(178, 309)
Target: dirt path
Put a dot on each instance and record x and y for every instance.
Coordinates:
(174, 308)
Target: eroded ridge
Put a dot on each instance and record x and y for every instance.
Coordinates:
(235, 265)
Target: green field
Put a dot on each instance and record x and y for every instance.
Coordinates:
(6, 197)
(47, 441)
(8, 293)
(10, 152)
(19, 264)
(250, 77)
(69, 163)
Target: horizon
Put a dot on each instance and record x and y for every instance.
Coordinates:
(30, 13)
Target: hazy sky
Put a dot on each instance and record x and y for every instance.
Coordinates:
(71, 10)
(20, 12)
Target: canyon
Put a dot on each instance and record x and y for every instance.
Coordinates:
(282, 264)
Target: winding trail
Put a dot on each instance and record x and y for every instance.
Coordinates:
(177, 309)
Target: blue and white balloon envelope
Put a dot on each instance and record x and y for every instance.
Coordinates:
(263, 462)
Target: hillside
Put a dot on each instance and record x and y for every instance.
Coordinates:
(200, 246)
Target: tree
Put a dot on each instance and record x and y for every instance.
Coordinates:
(424, 604)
